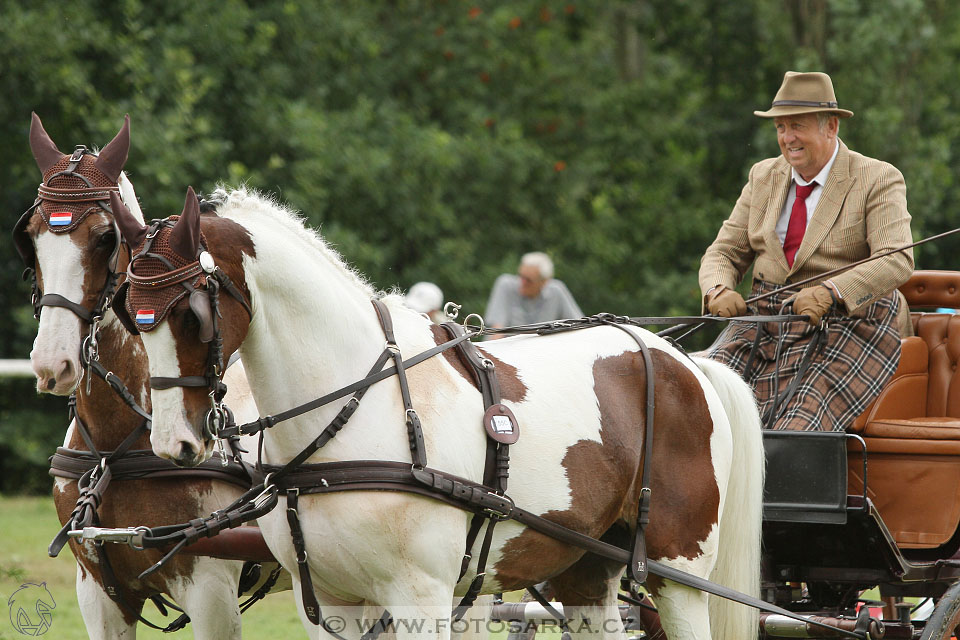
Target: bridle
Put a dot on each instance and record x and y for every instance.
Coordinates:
(49, 196)
(201, 281)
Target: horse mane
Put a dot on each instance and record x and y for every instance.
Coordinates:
(244, 202)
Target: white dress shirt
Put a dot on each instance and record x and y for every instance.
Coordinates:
(820, 179)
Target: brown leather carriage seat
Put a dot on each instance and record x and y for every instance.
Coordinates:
(912, 431)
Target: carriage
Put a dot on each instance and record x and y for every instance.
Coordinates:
(878, 506)
(823, 546)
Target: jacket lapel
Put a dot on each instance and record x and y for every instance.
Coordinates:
(780, 181)
(839, 183)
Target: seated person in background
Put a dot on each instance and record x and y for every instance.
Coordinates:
(426, 298)
(816, 207)
(533, 295)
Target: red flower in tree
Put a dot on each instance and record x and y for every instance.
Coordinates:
(439, 31)
(484, 77)
(569, 9)
(448, 54)
(559, 166)
(515, 22)
(474, 12)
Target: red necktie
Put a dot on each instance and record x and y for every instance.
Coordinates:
(798, 222)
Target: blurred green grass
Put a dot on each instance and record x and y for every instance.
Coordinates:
(28, 524)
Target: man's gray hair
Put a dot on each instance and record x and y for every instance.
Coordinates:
(823, 117)
(541, 261)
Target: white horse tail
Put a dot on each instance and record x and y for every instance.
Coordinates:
(738, 560)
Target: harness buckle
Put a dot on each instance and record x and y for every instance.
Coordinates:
(132, 536)
(498, 513)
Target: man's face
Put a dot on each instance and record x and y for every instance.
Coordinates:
(804, 145)
(530, 281)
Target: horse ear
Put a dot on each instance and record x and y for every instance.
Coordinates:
(113, 156)
(185, 235)
(45, 152)
(131, 229)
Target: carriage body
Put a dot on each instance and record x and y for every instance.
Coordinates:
(878, 506)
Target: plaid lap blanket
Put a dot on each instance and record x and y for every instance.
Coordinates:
(854, 359)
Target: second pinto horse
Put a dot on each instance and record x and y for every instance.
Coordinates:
(69, 238)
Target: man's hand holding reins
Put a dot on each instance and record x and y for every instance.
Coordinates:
(813, 302)
(725, 302)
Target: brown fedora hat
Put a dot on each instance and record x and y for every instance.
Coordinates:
(804, 93)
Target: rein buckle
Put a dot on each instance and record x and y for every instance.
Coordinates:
(132, 536)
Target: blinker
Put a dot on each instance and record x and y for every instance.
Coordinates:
(200, 305)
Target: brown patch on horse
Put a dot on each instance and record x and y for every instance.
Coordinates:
(605, 477)
(511, 387)
(174, 501)
(107, 416)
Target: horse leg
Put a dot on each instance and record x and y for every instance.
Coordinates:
(684, 611)
(475, 622)
(209, 597)
(102, 616)
(588, 591)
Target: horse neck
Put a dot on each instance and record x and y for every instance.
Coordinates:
(314, 328)
(106, 416)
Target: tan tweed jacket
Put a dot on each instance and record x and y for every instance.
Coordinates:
(862, 211)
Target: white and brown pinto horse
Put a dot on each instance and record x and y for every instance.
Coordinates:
(73, 263)
(579, 398)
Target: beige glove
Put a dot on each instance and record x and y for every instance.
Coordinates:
(813, 302)
(726, 303)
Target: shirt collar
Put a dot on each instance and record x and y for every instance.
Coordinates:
(820, 178)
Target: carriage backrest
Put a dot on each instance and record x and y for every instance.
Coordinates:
(940, 332)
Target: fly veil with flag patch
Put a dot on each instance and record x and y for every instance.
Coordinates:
(814, 377)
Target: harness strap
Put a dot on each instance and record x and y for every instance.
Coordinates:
(814, 347)
(311, 607)
(418, 448)
(57, 300)
(637, 568)
(112, 586)
(496, 467)
(267, 422)
(118, 386)
(160, 382)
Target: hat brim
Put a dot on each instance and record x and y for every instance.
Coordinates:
(776, 112)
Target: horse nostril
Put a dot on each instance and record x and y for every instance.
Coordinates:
(51, 383)
(187, 454)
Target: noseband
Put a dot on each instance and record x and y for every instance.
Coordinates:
(202, 281)
(49, 196)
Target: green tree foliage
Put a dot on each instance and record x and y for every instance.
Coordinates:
(440, 139)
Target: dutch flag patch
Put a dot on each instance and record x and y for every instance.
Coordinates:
(60, 218)
(145, 316)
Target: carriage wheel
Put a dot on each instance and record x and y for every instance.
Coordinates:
(944, 622)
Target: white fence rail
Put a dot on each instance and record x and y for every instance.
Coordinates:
(15, 369)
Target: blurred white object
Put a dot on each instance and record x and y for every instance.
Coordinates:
(424, 297)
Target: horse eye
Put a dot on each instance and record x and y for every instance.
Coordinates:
(108, 239)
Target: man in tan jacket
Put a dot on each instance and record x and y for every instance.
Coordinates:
(816, 207)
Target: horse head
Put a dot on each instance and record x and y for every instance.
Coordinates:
(190, 305)
(68, 240)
